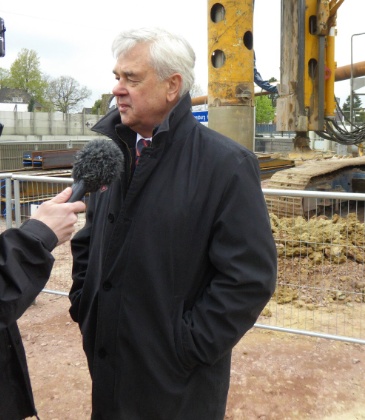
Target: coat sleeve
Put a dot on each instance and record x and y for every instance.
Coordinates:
(25, 266)
(80, 245)
(243, 253)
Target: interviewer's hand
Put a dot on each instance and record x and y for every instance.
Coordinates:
(59, 215)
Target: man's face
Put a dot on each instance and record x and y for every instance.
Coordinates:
(143, 100)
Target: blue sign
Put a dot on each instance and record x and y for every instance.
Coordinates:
(201, 116)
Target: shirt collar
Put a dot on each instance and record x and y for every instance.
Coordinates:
(139, 137)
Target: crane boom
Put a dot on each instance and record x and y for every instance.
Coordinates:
(341, 73)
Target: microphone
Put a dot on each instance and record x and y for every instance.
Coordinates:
(95, 166)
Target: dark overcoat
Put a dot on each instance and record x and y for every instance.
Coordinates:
(25, 266)
(173, 266)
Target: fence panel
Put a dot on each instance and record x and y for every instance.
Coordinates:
(320, 285)
(32, 191)
(18, 202)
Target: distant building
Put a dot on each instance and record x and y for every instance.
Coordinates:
(86, 111)
(16, 100)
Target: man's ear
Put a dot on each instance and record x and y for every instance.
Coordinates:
(174, 85)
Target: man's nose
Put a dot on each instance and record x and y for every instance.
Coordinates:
(119, 89)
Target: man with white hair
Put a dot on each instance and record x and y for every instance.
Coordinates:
(176, 259)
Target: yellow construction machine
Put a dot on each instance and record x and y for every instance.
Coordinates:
(306, 99)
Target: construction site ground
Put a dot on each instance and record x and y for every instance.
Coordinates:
(274, 375)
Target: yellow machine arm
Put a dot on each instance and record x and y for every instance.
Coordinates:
(308, 73)
(307, 65)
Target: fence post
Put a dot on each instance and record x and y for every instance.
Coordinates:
(17, 203)
(8, 211)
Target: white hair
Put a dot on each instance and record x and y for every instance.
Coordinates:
(169, 53)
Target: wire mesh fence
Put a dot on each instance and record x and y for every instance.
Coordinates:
(20, 197)
(320, 284)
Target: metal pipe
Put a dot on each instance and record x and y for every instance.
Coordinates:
(312, 334)
(55, 292)
(341, 73)
(8, 193)
(17, 200)
(44, 178)
(330, 103)
(321, 80)
(344, 72)
(314, 194)
(352, 80)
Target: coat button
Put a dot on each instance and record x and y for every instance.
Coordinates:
(111, 217)
(107, 286)
(102, 353)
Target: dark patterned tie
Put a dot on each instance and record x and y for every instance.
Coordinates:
(140, 145)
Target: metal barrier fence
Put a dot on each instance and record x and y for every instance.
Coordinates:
(20, 196)
(320, 285)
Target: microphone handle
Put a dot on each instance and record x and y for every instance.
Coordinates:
(78, 192)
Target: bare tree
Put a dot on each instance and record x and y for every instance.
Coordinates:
(196, 90)
(66, 94)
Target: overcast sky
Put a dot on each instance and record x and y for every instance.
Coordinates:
(73, 37)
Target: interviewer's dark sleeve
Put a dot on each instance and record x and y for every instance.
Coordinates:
(25, 266)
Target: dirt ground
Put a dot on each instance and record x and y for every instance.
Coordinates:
(274, 375)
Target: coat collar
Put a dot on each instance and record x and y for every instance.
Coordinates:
(178, 123)
(111, 126)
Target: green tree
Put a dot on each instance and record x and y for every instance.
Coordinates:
(31, 105)
(96, 109)
(356, 107)
(265, 111)
(25, 74)
(4, 78)
(66, 94)
(102, 106)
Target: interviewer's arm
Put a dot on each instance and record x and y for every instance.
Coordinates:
(59, 215)
(25, 254)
